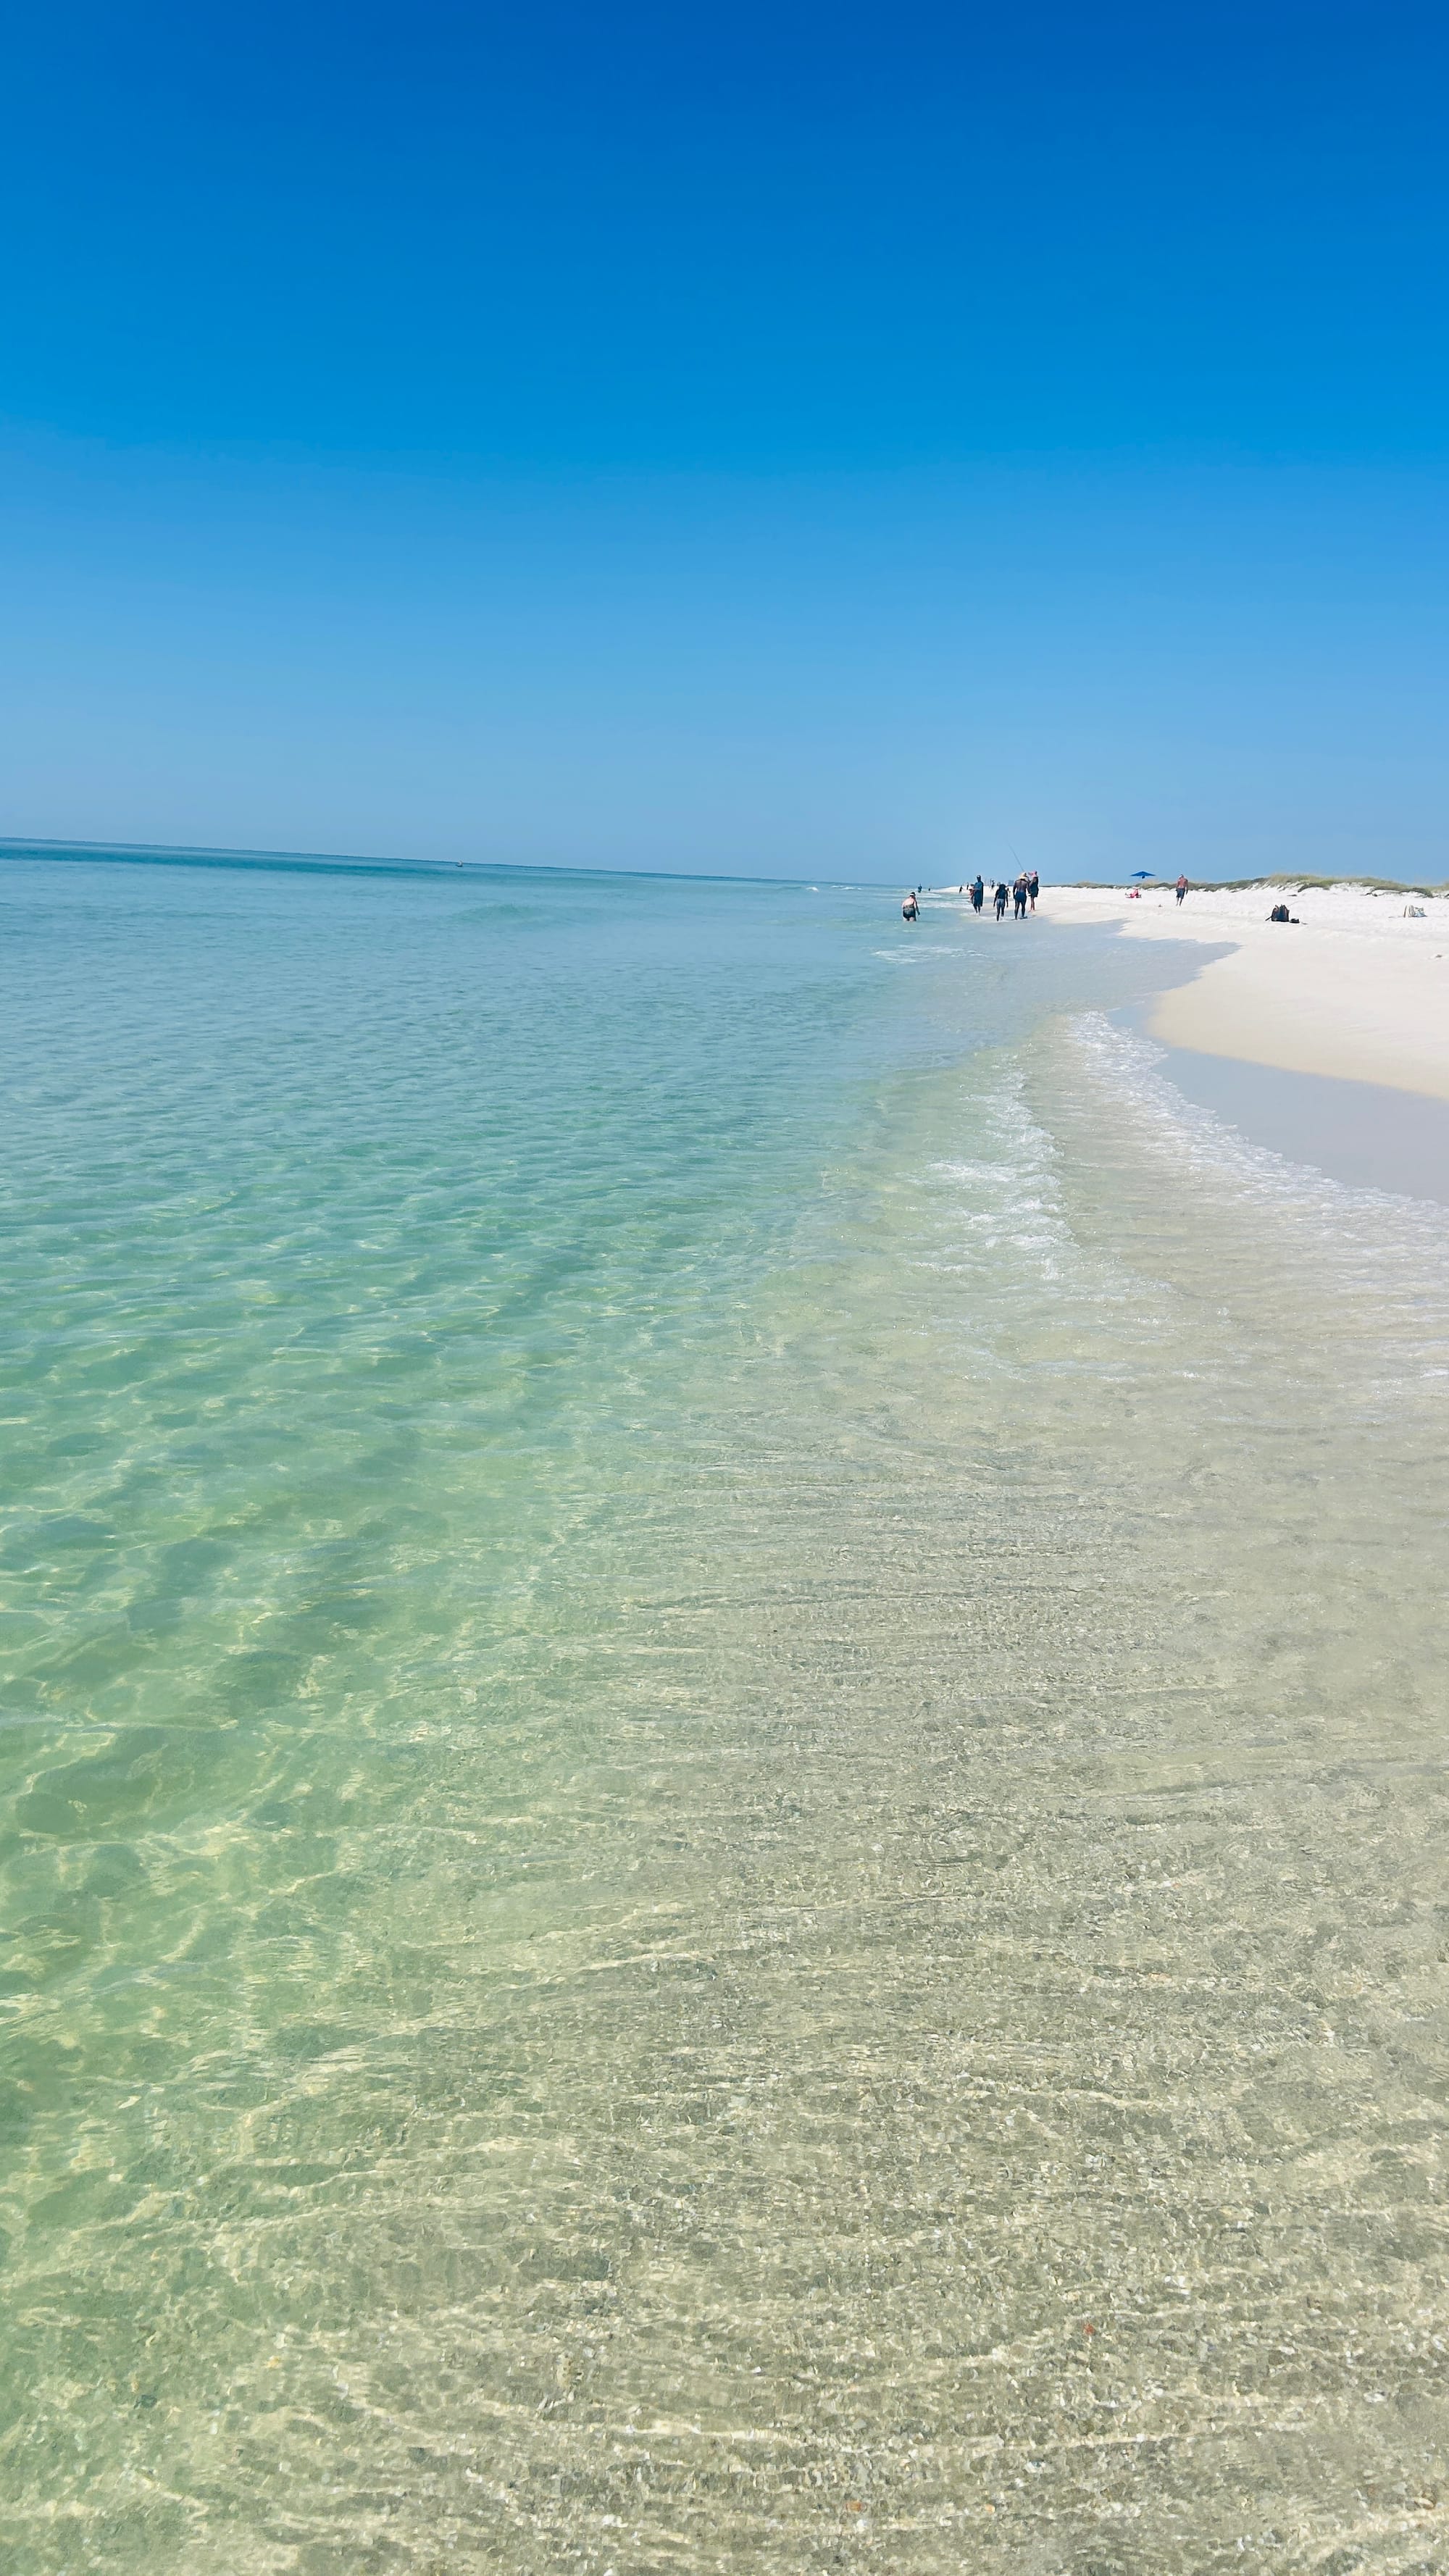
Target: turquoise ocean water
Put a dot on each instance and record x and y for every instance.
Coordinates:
(722, 1821)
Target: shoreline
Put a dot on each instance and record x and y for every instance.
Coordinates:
(1356, 991)
(1357, 1133)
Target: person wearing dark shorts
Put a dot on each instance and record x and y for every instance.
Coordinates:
(1000, 901)
(978, 894)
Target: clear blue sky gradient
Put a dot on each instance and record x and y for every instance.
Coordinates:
(784, 441)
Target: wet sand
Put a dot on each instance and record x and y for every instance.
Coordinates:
(1361, 1133)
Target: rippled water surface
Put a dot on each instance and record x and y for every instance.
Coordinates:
(722, 1814)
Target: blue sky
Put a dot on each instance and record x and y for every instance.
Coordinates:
(782, 442)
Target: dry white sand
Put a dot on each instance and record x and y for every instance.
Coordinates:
(1356, 990)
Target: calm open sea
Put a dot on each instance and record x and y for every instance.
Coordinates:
(722, 1799)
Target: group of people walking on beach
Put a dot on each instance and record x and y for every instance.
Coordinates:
(1022, 896)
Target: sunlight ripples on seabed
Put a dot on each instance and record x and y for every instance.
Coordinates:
(722, 1784)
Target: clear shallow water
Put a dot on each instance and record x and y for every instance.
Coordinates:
(722, 1804)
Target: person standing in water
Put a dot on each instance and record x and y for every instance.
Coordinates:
(978, 895)
(1181, 888)
(1033, 887)
(910, 909)
(1000, 899)
(1019, 897)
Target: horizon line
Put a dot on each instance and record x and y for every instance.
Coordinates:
(359, 863)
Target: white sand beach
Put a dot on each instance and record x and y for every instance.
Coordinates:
(1357, 989)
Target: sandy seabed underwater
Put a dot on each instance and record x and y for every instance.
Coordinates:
(722, 1801)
